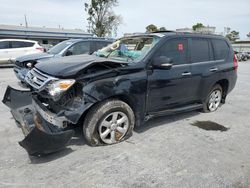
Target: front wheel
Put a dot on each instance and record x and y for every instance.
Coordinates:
(213, 100)
(108, 122)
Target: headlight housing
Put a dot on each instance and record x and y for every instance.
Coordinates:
(57, 87)
(29, 65)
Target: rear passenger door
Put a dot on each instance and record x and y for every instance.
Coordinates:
(203, 67)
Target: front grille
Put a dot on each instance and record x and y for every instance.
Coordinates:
(37, 79)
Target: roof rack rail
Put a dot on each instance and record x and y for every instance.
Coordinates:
(165, 31)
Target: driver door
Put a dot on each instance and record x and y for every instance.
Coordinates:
(171, 88)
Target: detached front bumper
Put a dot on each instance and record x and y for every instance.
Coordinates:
(41, 136)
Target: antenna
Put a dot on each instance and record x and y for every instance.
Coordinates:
(25, 18)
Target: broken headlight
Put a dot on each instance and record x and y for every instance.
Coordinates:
(57, 87)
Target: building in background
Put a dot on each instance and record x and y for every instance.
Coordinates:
(242, 45)
(205, 30)
(46, 36)
(185, 30)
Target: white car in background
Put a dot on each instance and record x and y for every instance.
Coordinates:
(10, 49)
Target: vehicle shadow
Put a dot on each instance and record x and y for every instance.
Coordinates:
(162, 121)
(78, 139)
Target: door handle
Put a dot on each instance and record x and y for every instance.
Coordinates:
(214, 69)
(186, 74)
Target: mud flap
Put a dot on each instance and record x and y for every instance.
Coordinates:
(41, 137)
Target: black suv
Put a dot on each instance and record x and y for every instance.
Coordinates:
(66, 48)
(121, 86)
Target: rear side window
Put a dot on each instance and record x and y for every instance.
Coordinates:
(4, 45)
(20, 44)
(80, 48)
(176, 49)
(221, 49)
(100, 45)
(200, 50)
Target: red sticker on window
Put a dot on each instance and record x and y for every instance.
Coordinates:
(180, 47)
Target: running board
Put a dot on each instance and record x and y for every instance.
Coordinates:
(174, 111)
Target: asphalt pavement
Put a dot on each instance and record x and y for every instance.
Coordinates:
(173, 151)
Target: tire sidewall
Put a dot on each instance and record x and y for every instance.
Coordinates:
(205, 104)
(101, 111)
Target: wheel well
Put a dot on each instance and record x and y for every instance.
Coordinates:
(224, 85)
(118, 97)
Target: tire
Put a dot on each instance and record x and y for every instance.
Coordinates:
(108, 122)
(215, 97)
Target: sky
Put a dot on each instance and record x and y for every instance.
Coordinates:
(136, 14)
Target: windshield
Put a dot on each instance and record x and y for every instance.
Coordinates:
(59, 47)
(129, 49)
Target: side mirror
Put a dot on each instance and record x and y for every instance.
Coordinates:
(163, 62)
(69, 53)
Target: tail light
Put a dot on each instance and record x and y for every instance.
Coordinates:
(235, 63)
(41, 49)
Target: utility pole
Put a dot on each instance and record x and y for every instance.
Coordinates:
(26, 22)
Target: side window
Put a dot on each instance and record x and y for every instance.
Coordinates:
(176, 49)
(200, 50)
(4, 45)
(221, 49)
(100, 45)
(20, 44)
(79, 48)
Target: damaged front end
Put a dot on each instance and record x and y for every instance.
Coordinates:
(41, 136)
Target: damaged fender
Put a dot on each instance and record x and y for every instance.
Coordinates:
(41, 137)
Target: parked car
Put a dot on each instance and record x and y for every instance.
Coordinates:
(242, 56)
(121, 86)
(66, 48)
(10, 49)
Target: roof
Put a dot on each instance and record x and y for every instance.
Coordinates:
(171, 33)
(21, 40)
(41, 29)
(42, 32)
(93, 39)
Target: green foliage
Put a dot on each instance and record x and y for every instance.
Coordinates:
(248, 35)
(198, 26)
(162, 29)
(232, 36)
(102, 19)
(151, 28)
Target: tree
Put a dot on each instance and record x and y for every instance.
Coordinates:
(162, 29)
(198, 26)
(101, 17)
(151, 28)
(248, 35)
(232, 36)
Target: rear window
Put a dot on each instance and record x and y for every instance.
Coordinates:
(221, 49)
(20, 44)
(4, 45)
(200, 50)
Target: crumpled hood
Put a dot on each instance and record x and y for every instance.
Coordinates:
(34, 57)
(69, 66)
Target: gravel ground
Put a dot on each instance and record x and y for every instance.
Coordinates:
(166, 152)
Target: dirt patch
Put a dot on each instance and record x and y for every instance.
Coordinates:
(210, 126)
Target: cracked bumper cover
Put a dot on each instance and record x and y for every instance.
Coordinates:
(41, 136)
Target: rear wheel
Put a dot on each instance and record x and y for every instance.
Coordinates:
(213, 100)
(108, 122)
